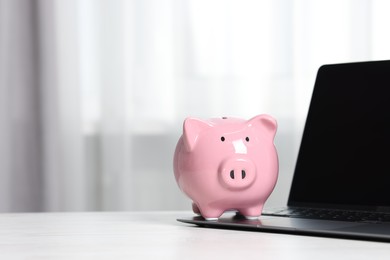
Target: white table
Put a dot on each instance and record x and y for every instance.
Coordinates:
(148, 235)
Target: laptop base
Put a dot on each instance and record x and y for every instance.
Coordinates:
(298, 226)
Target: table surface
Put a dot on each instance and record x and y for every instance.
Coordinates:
(148, 235)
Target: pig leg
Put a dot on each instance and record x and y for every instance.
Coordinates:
(252, 213)
(211, 214)
(195, 209)
(208, 213)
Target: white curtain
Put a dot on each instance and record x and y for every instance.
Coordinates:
(93, 92)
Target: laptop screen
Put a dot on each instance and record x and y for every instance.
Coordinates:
(344, 158)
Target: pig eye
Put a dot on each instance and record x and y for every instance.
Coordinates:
(247, 139)
(222, 139)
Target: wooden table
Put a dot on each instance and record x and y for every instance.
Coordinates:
(157, 235)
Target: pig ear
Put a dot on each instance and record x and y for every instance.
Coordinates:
(266, 122)
(191, 130)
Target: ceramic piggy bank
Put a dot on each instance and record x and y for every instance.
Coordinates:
(227, 164)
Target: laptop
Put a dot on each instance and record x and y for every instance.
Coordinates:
(341, 182)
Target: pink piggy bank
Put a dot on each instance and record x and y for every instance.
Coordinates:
(227, 164)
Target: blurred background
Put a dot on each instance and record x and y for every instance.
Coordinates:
(93, 93)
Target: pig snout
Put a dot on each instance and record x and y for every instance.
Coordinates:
(237, 173)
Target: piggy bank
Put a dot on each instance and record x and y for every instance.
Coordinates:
(227, 164)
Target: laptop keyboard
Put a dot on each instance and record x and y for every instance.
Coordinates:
(330, 214)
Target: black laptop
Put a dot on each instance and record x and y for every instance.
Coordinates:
(341, 183)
